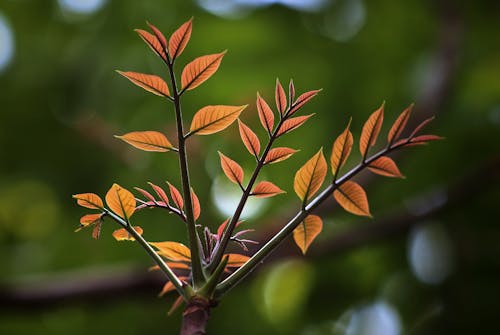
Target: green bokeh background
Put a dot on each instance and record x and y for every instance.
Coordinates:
(61, 102)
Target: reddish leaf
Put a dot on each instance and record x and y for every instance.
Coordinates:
(159, 35)
(173, 251)
(425, 138)
(310, 176)
(280, 97)
(121, 201)
(160, 192)
(199, 70)
(292, 124)
(352, 198)
(123, 235)
(212, 119)
(266, 189)
(231, 169)
(279, 154)
(147, 141)
(236, 260)
(180, 39)
(385, 166)
(421, 126)
(90, 219)
(153, 42)
(341, 150)
(196, 205)
(266, 114)
(222, 227)
(149, 82)
(371, 130)
(176, 196)
(89, 200)
(96, 232)
(306, 232)
(302, 100)
(249, 138)
(399, 125)
(146, 194)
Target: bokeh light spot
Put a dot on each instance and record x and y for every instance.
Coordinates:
(6, 43)
(379, 318)
(81, 6)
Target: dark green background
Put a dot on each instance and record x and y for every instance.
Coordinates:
(61, 102)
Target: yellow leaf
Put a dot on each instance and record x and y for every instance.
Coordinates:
(121, 201)
(352, 198)
(266, 189)
(310, 176)
(341, 150)
(232, 170)
(212, 119)
(173, 251)
(199, 70)
(180, 39)
(385, 166)
(89, 200)
(249, 138)
(149, 82)
(236, 260)
(306, 232)
(123, 235)
(370, 131)
(147, 140)
(279, 154)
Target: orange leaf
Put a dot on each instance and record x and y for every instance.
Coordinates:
(279, 154)
(172, 265)
(176, 196)
(221, 228)
(280, 97)
(232, 170)
(159, 35)
(199, 70)
(147, 140)
(174, 251)
(236, 260)
(302, 100)
(180, 39)
(421, 126)
(341, 149)
(123, 235)
(266, 189)
(385, 166)
(169, 287)
(371, 130)
(249, 138)
(266, 114)
(292, 124)
(196, 205)
(120, 201)
(153, 42)
(160, 192)
(399, 125)
(90, 219)
(146, 194)
(149, 82)
(177, 303)
(310, 176)
(212, 119)
(307, 231)
(352, 198)
(96, 232)
(425, 138)
(89, 200)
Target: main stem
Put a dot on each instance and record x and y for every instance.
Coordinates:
(198, 277)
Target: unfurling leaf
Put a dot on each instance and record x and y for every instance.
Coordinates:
(421, 126)
(385, 166)
(399, 125)
(371, 130)
(249, 138)
(176, 196)
(236, 260)
(302, 100)
(89, 200)
(341, 149)
(221, 228)
(266, 189)
(352, 198)
(90, 219)
(149, 82)
(280, 97)
(160, 192)
(180, 39)
(121, 201)
(153, 42)
(292, 124)
(266, 114)
(231, 169)
(159, 35)
(291, 92)
(310, 176)
(196, 205)
(147, 141)
(173, 251)
(306, 232)
(199, 70)
(123, 235)
(279, 154)
(212, 119)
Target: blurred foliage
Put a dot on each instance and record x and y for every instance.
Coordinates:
(61, 102)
